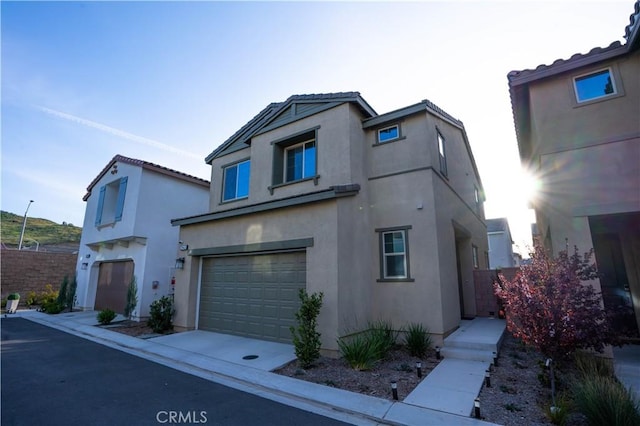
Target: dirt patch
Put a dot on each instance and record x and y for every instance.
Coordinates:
(398, 366)
(133, 328)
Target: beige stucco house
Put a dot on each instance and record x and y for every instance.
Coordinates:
(578, 129)
(383, 214)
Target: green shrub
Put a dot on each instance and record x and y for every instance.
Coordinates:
(62, 293)
(382, 337)
(105, 316)
(161, 315)
(48, 298)
(604, 401)
(132, 298)
(358, 351)
(52, 307)
(417, 339)
(559, 413)
(306, 338)
(32, 299)
(14, 296)
(589, 365)
(71, 293)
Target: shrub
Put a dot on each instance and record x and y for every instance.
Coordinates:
(105, 316)
(32, 299)
(161, 315)
(132, 298)
(604, 401)
(382, 337)
(589, 365)
(13, 296)
(559, 413)
(358, 351)
(71, 293)
(48, 300)
(62, 293)
(306, 338)
(417, 339)
(549, 306)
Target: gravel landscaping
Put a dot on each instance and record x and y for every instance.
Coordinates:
(516, 395)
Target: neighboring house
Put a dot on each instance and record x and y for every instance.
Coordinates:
(500, 244)
(127, 232)
(383, 214)
(578, 129)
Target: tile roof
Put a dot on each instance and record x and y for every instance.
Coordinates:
(146, 165)
(273, 109)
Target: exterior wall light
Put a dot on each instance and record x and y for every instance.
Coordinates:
(180, 263)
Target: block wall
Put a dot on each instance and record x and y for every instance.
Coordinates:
(25, 271)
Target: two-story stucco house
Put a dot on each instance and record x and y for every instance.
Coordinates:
(500, 244)
(127, 232)
(578, 129)
(383, 214)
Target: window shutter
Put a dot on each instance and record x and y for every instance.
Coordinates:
(103, 190)
(121, 193)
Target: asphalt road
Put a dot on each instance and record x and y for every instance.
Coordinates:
(53, 378)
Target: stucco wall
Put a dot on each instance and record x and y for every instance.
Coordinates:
(145, 232)
(26, 271)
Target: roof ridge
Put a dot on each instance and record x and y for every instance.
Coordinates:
(140, 163)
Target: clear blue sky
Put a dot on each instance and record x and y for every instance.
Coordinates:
(168, 82)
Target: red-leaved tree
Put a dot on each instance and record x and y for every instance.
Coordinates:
(549, 305)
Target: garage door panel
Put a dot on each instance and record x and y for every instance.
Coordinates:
(254, 296)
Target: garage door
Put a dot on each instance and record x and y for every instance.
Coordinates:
(113, 281)
(253, 296)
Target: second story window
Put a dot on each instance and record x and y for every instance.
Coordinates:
(300, 161)
(295, 159)
(111, 202)
(595, 85)
(389, 134)
(442, 154)
(236, 181)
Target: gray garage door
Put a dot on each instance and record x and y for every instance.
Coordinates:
(253, 296)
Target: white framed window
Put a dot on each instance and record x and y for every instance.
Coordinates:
(295, 159)
(594, 85)
(300, 161)
(394, 254)
(236, 181)
(442, 153)
(389, 134)
(474, 252)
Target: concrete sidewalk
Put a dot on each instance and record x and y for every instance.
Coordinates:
(182, 354)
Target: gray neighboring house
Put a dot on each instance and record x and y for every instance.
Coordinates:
(500, 244)
(577, 122)
(382, 213)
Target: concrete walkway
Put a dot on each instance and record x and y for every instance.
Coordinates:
(456, 382)
(626, 364)
(184, 352)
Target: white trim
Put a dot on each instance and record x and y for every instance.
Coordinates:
(593, 73)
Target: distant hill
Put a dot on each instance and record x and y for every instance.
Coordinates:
(43, 231)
